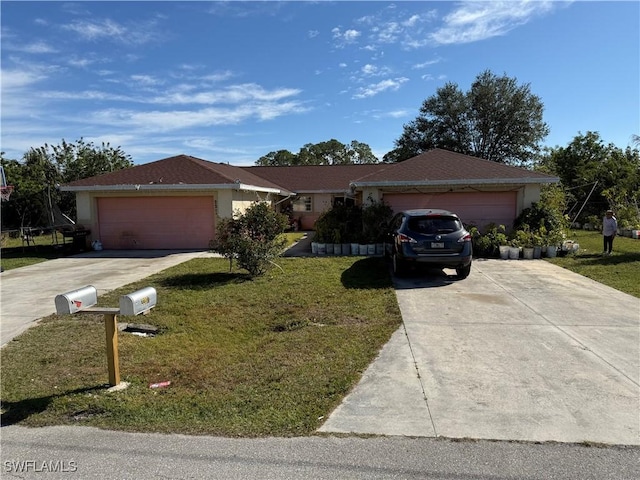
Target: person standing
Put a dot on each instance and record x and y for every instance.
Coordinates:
(609, 230)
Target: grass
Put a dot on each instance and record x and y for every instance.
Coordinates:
(269, 356)
(16, 254)
(620, 270)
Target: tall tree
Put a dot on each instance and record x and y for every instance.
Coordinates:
(278, 159)
(497, 119)
(586, 161)
(43, 169)
(331, 152)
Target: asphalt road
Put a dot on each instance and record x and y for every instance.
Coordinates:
(88, 453)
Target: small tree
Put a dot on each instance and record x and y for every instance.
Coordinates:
(252, 239)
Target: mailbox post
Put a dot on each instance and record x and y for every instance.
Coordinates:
(111, 330)
(84, 299)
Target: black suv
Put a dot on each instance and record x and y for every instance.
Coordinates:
(430, 236)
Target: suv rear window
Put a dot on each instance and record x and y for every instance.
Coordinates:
(433, 225)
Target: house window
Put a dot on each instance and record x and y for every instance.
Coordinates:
(302, 204)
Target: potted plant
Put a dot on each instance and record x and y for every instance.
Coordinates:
(554, 239)
(537, 240)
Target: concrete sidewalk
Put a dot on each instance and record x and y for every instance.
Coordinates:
(520, 350)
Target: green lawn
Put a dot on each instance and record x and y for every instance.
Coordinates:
(15, 253)
(269, 356)
(620, 270)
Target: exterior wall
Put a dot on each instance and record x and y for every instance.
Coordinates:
(242, 200)
(320, 202)
(526, 196)
(87, 211)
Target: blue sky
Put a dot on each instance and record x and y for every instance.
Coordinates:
(232, 81)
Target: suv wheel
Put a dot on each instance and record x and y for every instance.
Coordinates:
(463, 272)
(398, 265)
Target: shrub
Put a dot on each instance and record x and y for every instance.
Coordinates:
(252, 239)
(486, 245)
(538, 216)
(376, 217)
(341, 223)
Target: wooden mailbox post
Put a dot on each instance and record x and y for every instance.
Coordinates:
(84, 299)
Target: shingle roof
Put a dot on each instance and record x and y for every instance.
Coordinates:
(178, 170)
(433, 167)
(439, 165)
(315, 178)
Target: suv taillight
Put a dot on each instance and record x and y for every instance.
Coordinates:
(466, 238)
(402, 238)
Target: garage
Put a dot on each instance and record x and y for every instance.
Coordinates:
(156, 222)
(473, 208)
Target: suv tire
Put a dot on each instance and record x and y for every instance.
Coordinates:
(399, 268)
(463, 272)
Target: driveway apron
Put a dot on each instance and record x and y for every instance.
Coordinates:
(520, 350)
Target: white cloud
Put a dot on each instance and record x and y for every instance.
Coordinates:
(351, 35)
(370, 70)
(146, 80)
(33, 48)
(474, 21)
(109, 30)
(377, 88)
(173, 120)
(12, 79)
(313, 33)
(344, 38)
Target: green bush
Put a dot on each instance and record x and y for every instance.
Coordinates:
(375, 221)
(486, 244)
(252, 239)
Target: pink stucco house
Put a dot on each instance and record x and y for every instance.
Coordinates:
(175, 202)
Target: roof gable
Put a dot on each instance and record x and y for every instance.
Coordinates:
(444, 166)
(177, 170)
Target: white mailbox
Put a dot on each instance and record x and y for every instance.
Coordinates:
(140, 301)
(76, 300)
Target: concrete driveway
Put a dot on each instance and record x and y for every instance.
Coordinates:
(28, 293)
(520, 350)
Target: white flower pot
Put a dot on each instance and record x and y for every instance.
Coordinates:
(552, 251)
(314, 248)
(362, 249)
(514, 253)
(355, 249)
(504, 252)
(322, 248)
(527, 253)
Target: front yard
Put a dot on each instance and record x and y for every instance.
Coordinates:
(269, 356)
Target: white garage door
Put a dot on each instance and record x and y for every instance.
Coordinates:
(156, 222)
(474, 208)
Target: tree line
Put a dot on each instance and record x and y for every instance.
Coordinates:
(497, 119)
